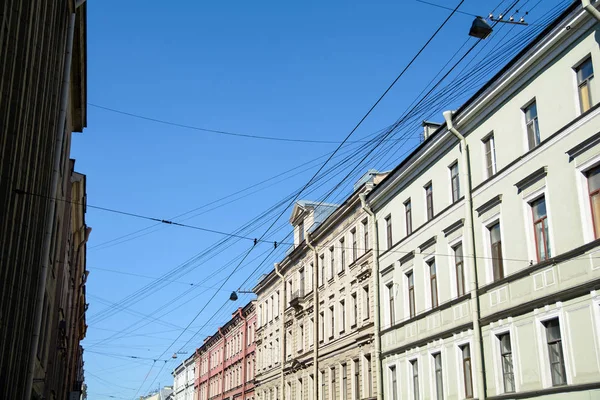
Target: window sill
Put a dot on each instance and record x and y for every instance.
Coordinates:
(330, 280)
(352, 326)
(342, 272)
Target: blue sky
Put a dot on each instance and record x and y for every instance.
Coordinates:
(307, 70)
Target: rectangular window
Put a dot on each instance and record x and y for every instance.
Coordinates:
(439, 380)
(354, 308)
(332, 383)
(344, 381)
(394, 382)
(354, 246)
(390, 290)
(321, 325)
(555, 352)
(332, 325)
(301, 337)
(369, 375)
(489, 145)
(301, 232)
(322, 379)
(540, 228)
(496, 250)
(414, 366)
(366, 303)
(408, 216)
(531, 121)
(460, 269)
(411, 293)
(342, 316)
(331, 262)
(342, 254)
(593, 179)
(322, 261)
(454, 182)
(508, 375)
(365, 224)
(433, 283)
(302, 282)
(388, 230)
(585, 76)
(429, 200)
(356, 380)
(467, 372)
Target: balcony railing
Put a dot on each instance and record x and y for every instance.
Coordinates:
(296, 297)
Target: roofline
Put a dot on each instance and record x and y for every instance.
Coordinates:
(475, 97)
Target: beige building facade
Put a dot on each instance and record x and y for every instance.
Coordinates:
(488, 235)
(330, 265)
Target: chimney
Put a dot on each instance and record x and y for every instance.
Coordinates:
(429, 127)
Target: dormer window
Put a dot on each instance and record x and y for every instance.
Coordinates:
(300, 232)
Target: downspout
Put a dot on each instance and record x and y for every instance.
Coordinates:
(587, 5)
(469, 246)
(282, 329)
(58, 148)
(315, 284)
(375, 247)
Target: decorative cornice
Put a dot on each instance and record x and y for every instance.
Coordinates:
(583, 146)
(531, 179)
(406, 258)
(494, 201)
(428, 243)
(387, 269)
(454, 227)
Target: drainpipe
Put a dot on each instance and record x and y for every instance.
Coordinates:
(587, 5)
(469, 246)
(58, 148)
(375, 247)
(315, 284)
(282, 329)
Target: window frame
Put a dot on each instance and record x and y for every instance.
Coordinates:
(460, 279)
(391, 306)
(429, 207)
(467, 375)
(365, 224)
(434, 373)
(454, 182)
(553, 342)
(414, 378)
(544, 221)
(354, 245)
(587, 82)
(388, 231)
(490, 249)
(393, 372)
(342, 243)
(544, 356)
(534, 122)
(590, 194)
(434, 299)
(408, 217)
(410, 292)
(489, 155)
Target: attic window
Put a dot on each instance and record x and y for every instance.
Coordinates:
(301, 232)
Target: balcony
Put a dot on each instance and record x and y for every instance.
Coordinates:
(296, 299)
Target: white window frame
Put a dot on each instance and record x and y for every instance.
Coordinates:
(529, 230)
(409, 376)
(524, 124)
(331, 384)
(595, 303)
(432, 383)
(541, 316)
(386, 296)
(460, 371)
(449, 169)
(490, 136)
(501, 328)
(576, 98)
(584, 198)
(487, 248)
(390, 380)
(427, 276)
(452, 263)
(342, 320)
(405, 294)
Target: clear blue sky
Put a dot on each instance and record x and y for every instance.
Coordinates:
(305, 70)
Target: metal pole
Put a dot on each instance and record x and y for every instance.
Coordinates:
(41, 288)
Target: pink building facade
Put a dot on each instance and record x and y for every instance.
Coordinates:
(225, 363)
